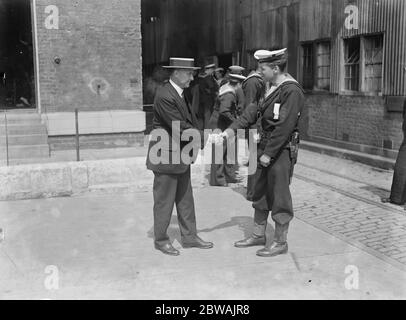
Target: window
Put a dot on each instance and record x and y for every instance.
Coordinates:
(351, 64)
(323, 53)
(363, 58)
(373, 47)
(307, 63)
(316, 65)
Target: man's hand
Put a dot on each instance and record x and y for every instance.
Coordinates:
(219, 139)
(216, 138)
(265, 161)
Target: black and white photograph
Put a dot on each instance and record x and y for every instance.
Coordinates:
(202, 150)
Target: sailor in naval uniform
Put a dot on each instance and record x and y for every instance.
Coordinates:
(224, 114)
(277, 117)
(254, 89)
(238, 70)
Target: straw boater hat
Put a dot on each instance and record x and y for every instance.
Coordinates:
(181, 63)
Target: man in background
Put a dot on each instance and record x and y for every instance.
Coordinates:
(398, 190)
(208, 90)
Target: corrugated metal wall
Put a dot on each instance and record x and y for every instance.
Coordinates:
(203, 28)
(325, 19)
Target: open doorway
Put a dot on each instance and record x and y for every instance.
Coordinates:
(17, 86)
(225, 60)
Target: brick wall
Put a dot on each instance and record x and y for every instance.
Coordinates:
(99, 44)
(353, 119)
(99, 141)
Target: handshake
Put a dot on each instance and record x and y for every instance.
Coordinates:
(218, 138)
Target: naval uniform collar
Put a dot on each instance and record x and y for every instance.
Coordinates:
(255, 74)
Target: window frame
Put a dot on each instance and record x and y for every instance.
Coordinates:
(302, 71)
(362, 74)
(316, 66)
(314, 46)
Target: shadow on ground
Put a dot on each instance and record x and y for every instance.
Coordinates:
(245, 224)
(381, 193)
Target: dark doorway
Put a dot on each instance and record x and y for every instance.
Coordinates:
(17, 89)
(225, 61)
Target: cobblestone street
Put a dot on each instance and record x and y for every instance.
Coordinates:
(102, 243)
(342, 197)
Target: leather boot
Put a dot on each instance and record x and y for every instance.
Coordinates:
(279, 245)
(256, 239)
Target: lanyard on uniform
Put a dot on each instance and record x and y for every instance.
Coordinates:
(261, 111)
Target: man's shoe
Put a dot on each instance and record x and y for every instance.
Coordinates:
(168, 249)
(197, 242)
(274, 250)
(386, 200)
(250, 242)
(389, 200)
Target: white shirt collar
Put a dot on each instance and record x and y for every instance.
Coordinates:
(178, 89)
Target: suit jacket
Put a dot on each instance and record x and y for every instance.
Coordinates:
(208, 89)
(170, 107)
(280, 114)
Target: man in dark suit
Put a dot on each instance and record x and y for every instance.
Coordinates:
(208, 90)
(170, 159)
(398, 190)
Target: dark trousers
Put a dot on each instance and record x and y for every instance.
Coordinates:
(398, 191)
(222, 173)
(250, 187)
(272, 191)
(204, 119)
(168, 191)
(251, 178)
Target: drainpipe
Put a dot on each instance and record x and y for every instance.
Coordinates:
(36, 46)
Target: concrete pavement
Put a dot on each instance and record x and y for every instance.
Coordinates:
(100, 246)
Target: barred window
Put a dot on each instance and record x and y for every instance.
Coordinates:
(307, 64)
(323, 61)
(352, 64)
(363, 64)
(373, 47)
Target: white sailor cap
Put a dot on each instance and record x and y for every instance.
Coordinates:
(236, 77)
(270, 56)
(210, 66)
(236, 69)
